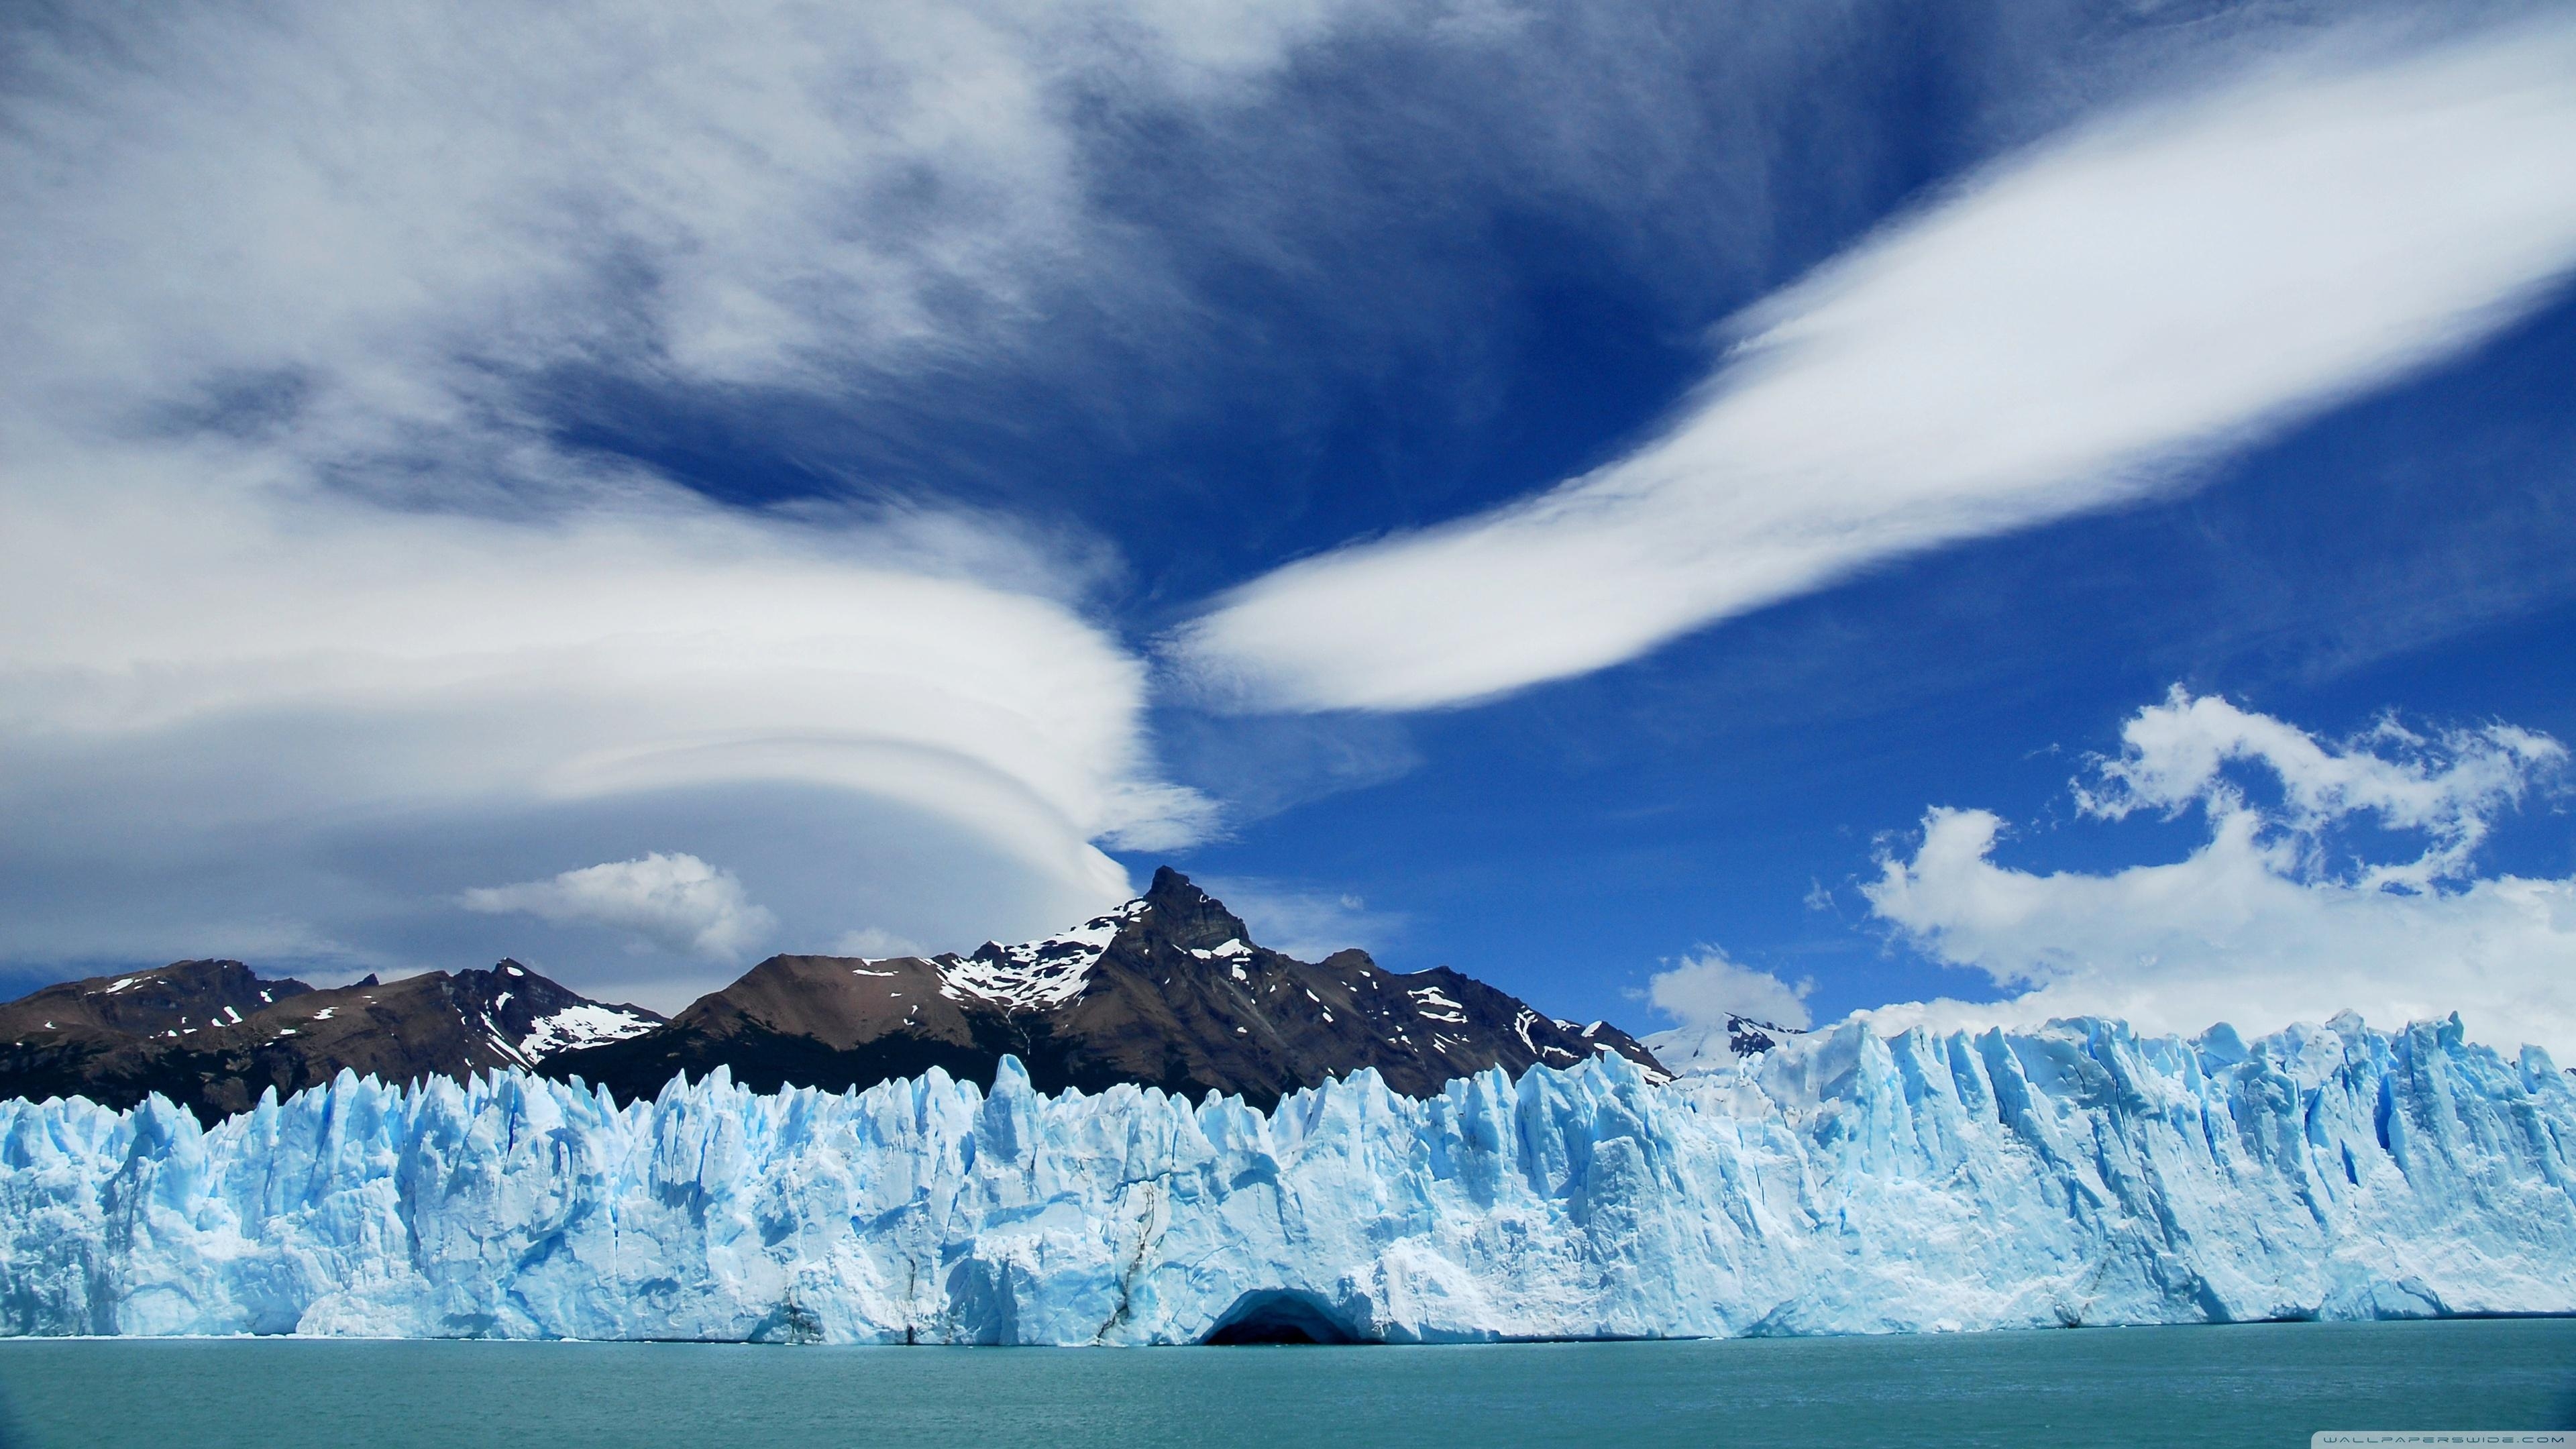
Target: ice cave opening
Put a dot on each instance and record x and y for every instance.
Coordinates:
(1281, 1315)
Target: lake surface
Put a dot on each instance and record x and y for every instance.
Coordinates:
(2266, 1384)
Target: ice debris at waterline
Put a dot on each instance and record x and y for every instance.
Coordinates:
(1841, 1183)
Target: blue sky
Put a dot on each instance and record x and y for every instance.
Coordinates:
(2409, 551)
(1560, 491)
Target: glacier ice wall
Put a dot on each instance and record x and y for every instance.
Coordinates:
(1845, 1183)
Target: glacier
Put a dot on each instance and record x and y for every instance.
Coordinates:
(1844, 1182)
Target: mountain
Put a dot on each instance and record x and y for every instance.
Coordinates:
(1168, 990)
(1841, 1182)
(1713, 1046)
(211, 1035)
(53, 1041)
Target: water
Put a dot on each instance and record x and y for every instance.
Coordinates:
(2269, 1384)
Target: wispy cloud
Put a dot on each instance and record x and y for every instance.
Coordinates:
(2263, 923)
(376, 217)
(424, 663)
(2078, 325)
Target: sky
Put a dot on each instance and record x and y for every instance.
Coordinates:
(1959, 514)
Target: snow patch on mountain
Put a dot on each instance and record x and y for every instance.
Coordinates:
(1432, 997)
(1034, 975)
(589, 1024)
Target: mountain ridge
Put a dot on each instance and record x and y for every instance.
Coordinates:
(187, 1038)
(1169, 990)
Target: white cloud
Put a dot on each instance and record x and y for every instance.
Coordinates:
(296, 572)
(425, 662)
(2448, 788)
(678, 901)
(390, 209)
(877, 943)
(2078, 325)
(2268, 921)
(1706, 994)
(1705, 990)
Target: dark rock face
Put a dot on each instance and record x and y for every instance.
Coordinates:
(1745, 1036)
(53, 1042)
(1168, 991)
(224, 1036)
(183, 995)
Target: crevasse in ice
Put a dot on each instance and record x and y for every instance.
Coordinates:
(1842, 1183)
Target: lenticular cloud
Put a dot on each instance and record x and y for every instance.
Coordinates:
(2077, 326)
(258, 668)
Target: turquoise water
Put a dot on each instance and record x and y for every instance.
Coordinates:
(2270, 1384)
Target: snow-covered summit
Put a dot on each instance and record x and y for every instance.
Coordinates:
(1714, 1046)
(1035, 975)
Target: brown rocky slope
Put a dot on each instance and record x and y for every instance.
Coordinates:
(1169, 990)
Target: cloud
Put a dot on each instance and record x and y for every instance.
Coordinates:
(1707, 989)
(676, 900)
(2448, 788)
(371, 219)
(1706, 994)
(312, 594)
(877, 943)
(2078, 325)
(337, 662)
(2268, 921)
(301, 571)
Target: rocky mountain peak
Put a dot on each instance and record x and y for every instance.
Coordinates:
(1045, 974)
(1181, 914)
